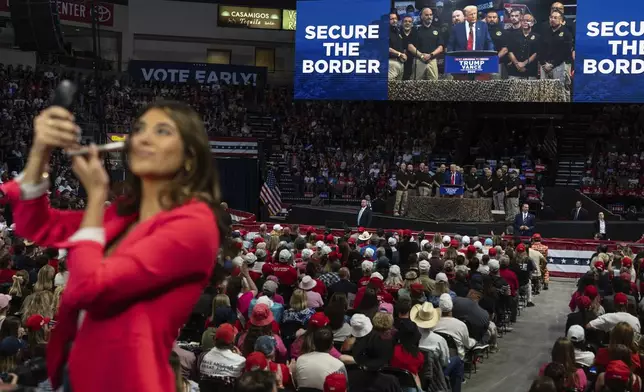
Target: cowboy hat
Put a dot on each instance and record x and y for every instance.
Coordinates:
(365, 236)
(307, 283)
(425, 315)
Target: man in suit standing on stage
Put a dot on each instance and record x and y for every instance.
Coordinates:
(579, 213)
(364, 215)
(524, 222)
(471, 35)
(453, 177)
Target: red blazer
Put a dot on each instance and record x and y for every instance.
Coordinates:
(136, 299)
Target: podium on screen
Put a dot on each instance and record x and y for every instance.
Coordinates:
(472, 62)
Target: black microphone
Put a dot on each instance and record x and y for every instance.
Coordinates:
(64, 94)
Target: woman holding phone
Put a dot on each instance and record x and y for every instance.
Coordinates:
(148, 254)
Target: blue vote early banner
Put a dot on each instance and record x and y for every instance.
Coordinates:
(201, 73)
(340, 54)
(478, 62)
(609, 61)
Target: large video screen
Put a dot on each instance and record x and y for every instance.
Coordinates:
(469, 50)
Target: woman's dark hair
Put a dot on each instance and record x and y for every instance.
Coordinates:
(233, 288)
(5, 260)
(256, 381)
(201, 182)
(62, 266)
(586, 280)
(311, 270)
(557, 373)
(369, 304)
(543, 384)
(336, 310)
(409, 340)
(563, 353)
(51, 253)
(254, 332)
(10, 327)
(354, 259)
(18, 248)
(474, 264)
(620, 352)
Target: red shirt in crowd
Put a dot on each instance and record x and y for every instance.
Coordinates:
(363, 281)
(286, 274)
(401, 359)
(603, 357)
(319, 288)
(6, 275)
(511, 278)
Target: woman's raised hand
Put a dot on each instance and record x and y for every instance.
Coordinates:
(55, 127)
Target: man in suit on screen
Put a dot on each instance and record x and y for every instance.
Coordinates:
(471, 35)
(524, 222)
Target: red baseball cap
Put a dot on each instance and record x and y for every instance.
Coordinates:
(352, 240)
(330, 239)
(584, 302)
(627, 262)
(618, 370)
(407, 233)
(417, 288)
(225, 333)
(591, 292)
(335, 382)
(625, 276)
(319, 320)
(453, 243)
(256, 361)
(360, 229)
(36, 322)
(536, 236)
(600, 265)
(471, 249)
(620, 299)
(520, 248)
(261, 315)
(491, 252)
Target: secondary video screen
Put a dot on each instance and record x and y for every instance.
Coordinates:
(460, 50)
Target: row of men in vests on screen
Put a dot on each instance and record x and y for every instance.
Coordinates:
(524, 52)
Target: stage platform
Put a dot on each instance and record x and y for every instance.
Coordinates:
(338, 216)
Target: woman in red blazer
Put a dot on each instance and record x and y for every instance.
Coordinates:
(137, 267)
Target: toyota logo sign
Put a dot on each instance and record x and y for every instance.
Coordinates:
(103, 14)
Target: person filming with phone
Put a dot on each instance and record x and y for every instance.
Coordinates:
(149, 253)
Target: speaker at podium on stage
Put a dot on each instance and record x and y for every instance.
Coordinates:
(452, 183)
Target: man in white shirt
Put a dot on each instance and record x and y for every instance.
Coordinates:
(453, 327)
(577, 336)
(223, 362)
(608, 321)
(310, 370)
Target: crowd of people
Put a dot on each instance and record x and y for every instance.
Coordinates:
(614, 167)
(602, 347)
(384, 311)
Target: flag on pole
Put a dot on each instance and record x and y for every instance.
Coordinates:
(550, 142)
(270, 194)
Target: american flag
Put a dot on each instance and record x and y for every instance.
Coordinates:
(271, 195)
(550, 142)
(568, 262)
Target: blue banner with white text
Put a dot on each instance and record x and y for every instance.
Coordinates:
(339, 54)
(476, 63)
(609, 63)
(200, 73)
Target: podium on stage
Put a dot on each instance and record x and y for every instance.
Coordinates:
(451, 190)
(472, 62)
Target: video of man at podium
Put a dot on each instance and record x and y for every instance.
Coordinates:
(511, 45)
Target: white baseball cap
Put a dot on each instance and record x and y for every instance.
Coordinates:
(576, 334)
